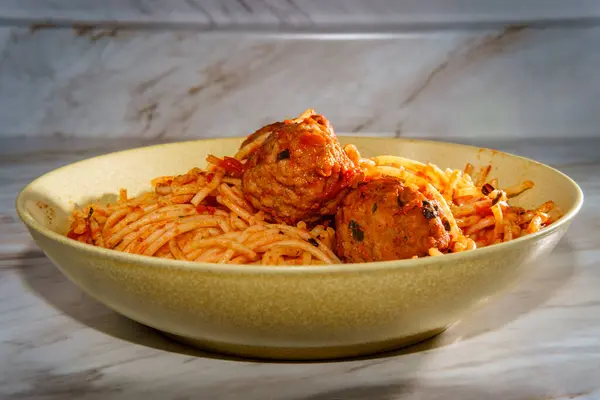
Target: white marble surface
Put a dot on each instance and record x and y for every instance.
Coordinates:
(515, 82)
(540, 341)
(310, 13)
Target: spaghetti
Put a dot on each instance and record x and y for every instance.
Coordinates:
(478, 212)
(203, 216)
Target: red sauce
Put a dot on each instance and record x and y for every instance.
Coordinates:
(363, 252)
(231, 165)
(409, 206)
(346, 179)
(483, 210)
(211, 201)
(208, 209)
(309, 139)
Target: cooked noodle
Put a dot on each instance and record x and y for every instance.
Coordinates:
(478, 213)
(203, 216)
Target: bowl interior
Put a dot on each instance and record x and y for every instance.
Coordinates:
(50, 199)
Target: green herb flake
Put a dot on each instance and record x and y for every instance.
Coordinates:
(90, 212)
(357, 233)
(313, 242)
(374, 208)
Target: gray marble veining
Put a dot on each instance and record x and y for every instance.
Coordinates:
(539, 341)
(104, 82)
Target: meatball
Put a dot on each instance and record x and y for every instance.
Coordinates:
(384, 220)
(300, 172)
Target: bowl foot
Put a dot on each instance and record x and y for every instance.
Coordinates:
(305, 353)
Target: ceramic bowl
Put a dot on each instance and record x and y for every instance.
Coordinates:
(288, 312)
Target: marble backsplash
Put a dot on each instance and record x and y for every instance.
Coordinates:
(308, 14)
(112, 82)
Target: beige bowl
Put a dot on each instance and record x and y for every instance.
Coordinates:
(287, 312)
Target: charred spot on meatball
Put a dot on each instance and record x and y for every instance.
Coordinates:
(487, 189)
(446, 225)
(406, 223)
(284, 155)
(401, 203)
(429, 210)
(300, 172)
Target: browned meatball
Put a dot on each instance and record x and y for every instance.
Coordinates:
(300, 172)
(384, 220)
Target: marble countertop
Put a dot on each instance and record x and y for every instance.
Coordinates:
(539, 341)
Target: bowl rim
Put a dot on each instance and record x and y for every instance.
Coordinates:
(150, 261)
